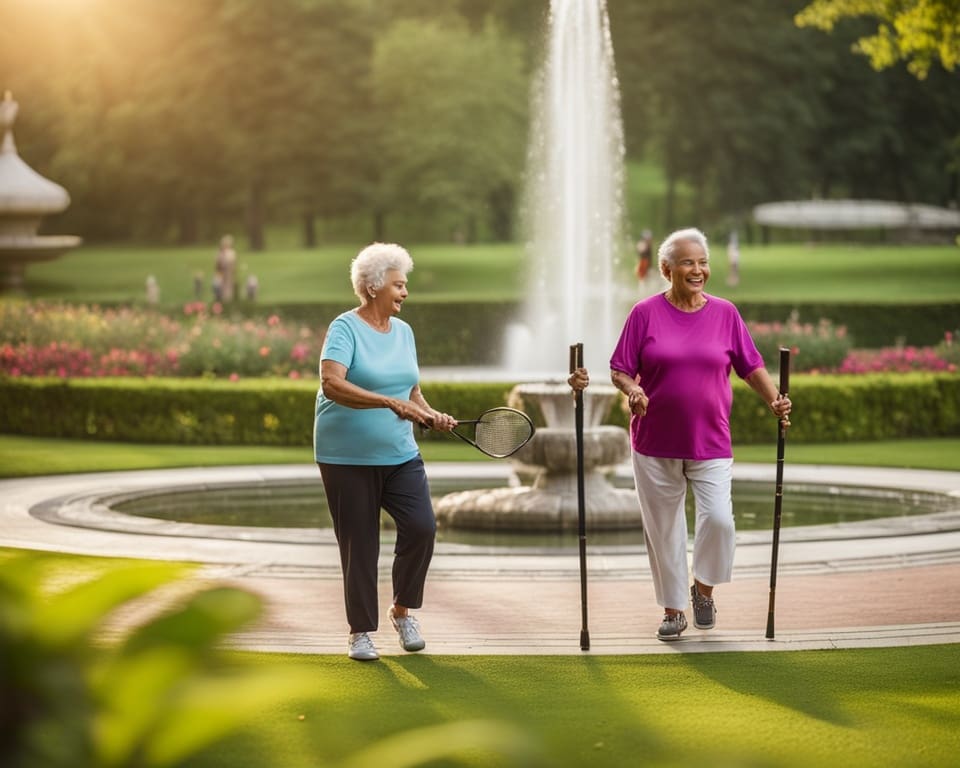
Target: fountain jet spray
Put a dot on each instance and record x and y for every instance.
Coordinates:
(574, 198)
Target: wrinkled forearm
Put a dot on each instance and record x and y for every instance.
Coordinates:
(624, 382)
(347, 394)
(761, 383)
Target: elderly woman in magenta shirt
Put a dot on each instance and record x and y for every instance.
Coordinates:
(673, 362)
(368, 401)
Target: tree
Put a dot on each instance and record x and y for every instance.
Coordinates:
(918, 32)
(452, 109)
(712, 99)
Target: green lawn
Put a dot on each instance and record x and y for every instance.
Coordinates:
(32, 456)
(118, 273)
(889, 706)
(780, 273)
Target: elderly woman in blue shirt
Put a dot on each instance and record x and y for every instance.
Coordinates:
(368, 402)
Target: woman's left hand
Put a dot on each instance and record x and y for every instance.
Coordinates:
(781, 408)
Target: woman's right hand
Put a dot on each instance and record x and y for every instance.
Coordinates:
(579, 379)
(411, 411)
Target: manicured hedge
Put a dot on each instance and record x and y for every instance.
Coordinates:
(192, 411)
(871, 325)
(850, 408)
(280, 412)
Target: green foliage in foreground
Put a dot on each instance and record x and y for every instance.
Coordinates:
(892, 706)
(161, 693)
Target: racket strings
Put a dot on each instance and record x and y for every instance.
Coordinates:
(501, 433)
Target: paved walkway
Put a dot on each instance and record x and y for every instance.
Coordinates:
(894, 581)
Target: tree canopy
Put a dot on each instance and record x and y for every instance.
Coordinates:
(919, 32)
(174, 120)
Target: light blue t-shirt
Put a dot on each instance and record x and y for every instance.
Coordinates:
(385, 363)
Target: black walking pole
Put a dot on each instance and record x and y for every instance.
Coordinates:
(782, 425)
(576, 361)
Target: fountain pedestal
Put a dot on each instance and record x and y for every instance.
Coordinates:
(549, 462)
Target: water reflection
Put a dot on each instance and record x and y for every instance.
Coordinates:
(303, 505)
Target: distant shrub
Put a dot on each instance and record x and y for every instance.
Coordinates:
(820, 346)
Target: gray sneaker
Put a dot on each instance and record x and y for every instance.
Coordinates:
(409, 631)
(671, 626)
(361, 647)
(704, 610)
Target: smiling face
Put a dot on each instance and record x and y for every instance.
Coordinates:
(689, 271)
(389, 299)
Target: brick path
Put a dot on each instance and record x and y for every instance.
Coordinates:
(892, 582)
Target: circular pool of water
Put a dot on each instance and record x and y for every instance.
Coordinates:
(299, 505)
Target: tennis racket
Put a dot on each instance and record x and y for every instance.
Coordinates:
(499, 432)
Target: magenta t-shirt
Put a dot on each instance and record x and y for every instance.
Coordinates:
(684, 361)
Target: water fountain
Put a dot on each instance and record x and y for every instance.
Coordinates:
(25, 198)
(574, 200)
(574, 214)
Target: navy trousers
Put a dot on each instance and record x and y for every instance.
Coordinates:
(356, 494)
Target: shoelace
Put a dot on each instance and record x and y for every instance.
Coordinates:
(701, 599)
(408, 627)
(362, 643)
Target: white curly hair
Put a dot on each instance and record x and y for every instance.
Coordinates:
(370, 267)
(666, 253)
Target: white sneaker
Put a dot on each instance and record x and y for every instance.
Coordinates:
(409, 631)
(362, 648)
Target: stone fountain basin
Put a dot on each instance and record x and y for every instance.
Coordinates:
(553, 449)
(555, 401)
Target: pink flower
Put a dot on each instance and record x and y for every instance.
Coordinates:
(234, 377)
(299, 352)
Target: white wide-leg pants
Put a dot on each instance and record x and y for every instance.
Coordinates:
(662, 489)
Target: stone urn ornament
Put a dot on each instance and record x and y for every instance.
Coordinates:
(25, 198)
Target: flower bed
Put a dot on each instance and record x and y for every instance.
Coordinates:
(77, 341)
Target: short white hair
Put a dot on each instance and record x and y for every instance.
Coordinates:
(668, 248)
(369, 269)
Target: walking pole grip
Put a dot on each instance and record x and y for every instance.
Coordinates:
(784, 371)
